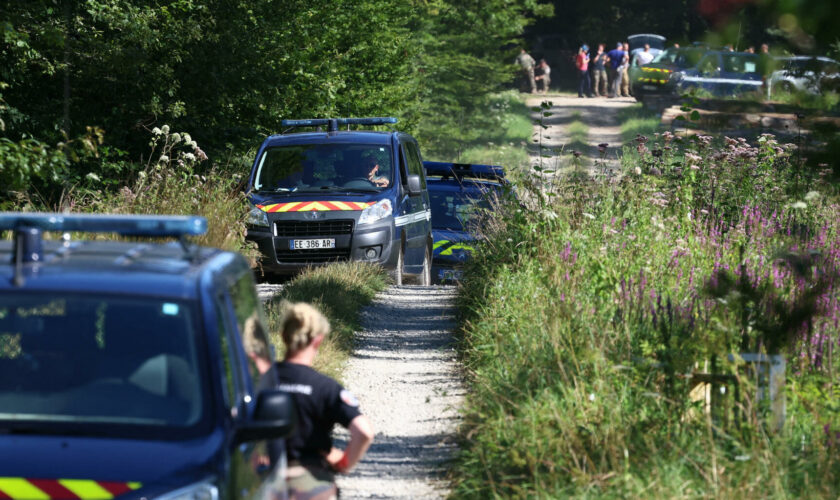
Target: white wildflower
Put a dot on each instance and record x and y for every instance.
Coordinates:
(164, 159)
(189, 156)
(187, 138)
(591, 396)
(92, 177)
(799, 205)
(588, 216)
(176, 138)
(812, 195)
(637, 171)
(165, 129)
(156, 131)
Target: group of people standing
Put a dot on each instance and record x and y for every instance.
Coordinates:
(609, 70)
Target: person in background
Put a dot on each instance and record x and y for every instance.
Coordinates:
(320, 402)
(526, 64)
(766, 66)
(644, 57)
(615, 58)
(543, 75)
(625, 71)
(750, 50)
(582, 65)
(599, 72)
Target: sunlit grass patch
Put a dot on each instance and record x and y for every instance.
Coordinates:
(498, 137)
(637, 120)
(339, 291)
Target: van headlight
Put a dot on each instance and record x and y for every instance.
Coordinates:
(257, 217)
(204, 490)
(376, 212)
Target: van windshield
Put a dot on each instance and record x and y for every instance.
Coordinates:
(98, 361)
(457, 210)
(325, 167)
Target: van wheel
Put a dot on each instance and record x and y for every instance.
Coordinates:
(397, 273)
(426, 276)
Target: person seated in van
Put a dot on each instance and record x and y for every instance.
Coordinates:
(373, 174)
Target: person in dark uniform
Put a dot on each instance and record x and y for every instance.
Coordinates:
(321, 402)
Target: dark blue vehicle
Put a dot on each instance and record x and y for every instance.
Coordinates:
(320, 197)
(459, 193)
(723, 73)
(133, 369)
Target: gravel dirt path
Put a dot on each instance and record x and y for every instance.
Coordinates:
(405, 375)
(600, 114)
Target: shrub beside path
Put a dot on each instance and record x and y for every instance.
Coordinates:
(405, 374)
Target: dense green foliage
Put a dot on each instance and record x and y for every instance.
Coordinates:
(229, 72)
(589, 316)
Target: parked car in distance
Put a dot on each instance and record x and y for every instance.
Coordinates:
(660, 76)
(459, 194)
(722, 74)
(133, 369)
(809, 74)
(325, 196)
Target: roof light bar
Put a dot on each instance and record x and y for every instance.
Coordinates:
(128, 225)
(461, 170)
(333, 123)
(317, 122)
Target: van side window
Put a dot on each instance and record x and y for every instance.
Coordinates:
(403, 154)
(415, 165)
(232, 391)
(249, 320)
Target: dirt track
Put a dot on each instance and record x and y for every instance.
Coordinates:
(600, 114)
(405, 375)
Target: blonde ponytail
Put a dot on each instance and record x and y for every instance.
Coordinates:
(301, 325)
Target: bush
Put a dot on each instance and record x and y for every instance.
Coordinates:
(585, 316)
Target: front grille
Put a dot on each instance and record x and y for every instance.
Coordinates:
(314, 256)
(303, 228)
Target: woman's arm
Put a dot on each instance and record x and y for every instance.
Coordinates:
(361, 436)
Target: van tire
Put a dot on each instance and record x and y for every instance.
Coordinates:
(426, 275)
(397, 273)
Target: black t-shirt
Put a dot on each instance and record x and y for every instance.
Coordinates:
(321, 402)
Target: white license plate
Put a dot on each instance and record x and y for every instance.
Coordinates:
(650, 87)
(313, 244)
(450, 274)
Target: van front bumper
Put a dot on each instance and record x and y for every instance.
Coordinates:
(374, 243)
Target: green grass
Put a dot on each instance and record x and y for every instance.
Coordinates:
(498, 138)
(636, 120)
(339, 291)
(578, 133)
(582, 316)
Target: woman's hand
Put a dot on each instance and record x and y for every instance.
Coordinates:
(334, 456)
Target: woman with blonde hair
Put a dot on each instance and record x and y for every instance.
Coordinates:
(321, 402)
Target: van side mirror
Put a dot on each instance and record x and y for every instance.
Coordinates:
(414, 186)
(274, 418)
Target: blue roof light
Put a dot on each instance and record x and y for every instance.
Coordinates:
(128, 225)
(384, 120)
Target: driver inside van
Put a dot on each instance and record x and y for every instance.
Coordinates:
(373, 174)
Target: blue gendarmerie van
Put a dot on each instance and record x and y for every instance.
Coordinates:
(133, 369)
(330, 195)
